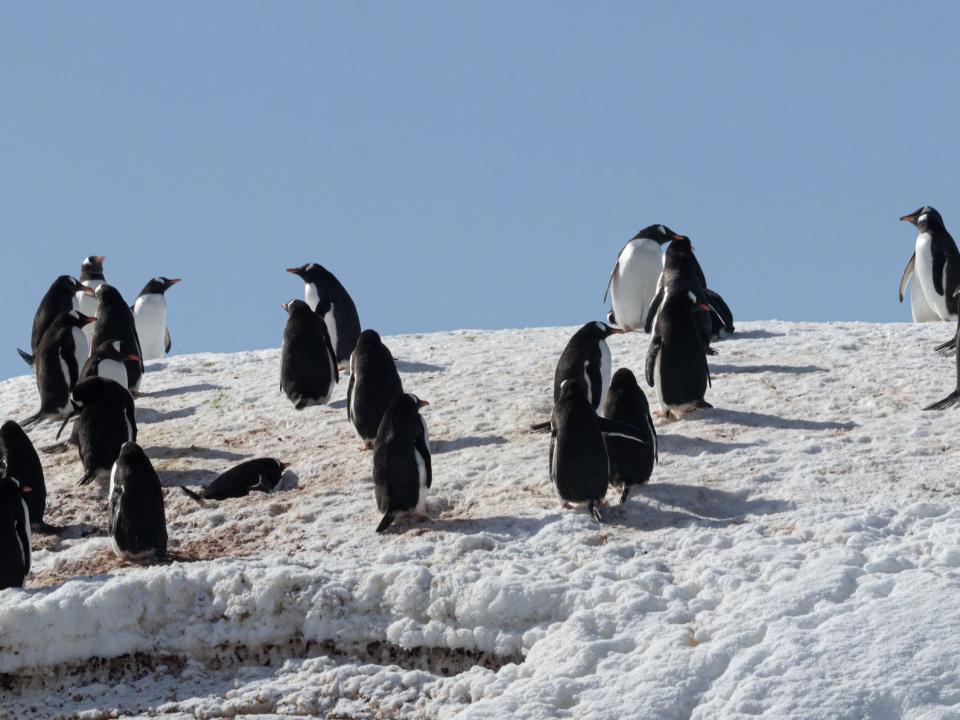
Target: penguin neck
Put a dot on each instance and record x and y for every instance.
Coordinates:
(92, 280)
(311, 295)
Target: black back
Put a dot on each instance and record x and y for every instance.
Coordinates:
(58, 299)
(58, 348)
(261, 474)
(400, 438)
(115, 322)
(631, 463)
(23, 463)
(308, 368)
(137, 518)
(374, 383)
(583, 355)
(681, 271)
(14, 535)
(106, 421)
(344, 310)
(578, 457)
(684, 374)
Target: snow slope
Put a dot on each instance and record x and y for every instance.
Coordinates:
(797, 554)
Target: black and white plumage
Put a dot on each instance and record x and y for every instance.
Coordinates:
(579, 466)
(308, 364)
(586, 358)
(115, 322)
(108, 361)
(61, 297)
(341, 318)
(631, 463)
(150, 317)
(22, 462)
(59, 358)
(106, 420)
(138, 525)
(14, 533)
(633, 280)
(721, 317)
(676, 364)
(261, 474)
(374, 383)
(934, 267)
(91, 277)
(402, 471)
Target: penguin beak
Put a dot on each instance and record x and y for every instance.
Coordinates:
(680, 237)
(135, 358)
(285, 306)
(85, 290)
(100, 259)
(89, 319)
(294, 271)
(422, 403)
(26, 489)
(909, 218)
(616, 330)
(284, 466)
(172, 281)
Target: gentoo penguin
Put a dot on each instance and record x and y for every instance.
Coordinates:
(587, 358)
(954, 397)
(579, 467)
(106, 420)
(61, 355)
(308, 365)
(633, 281)
(631, 463)
(115, 322)
(262, 474)
(60, 298)
(402, 472)
(722, 317)
(138, 525)
(150, 315)
(22, 462)
(676, 364)
(14, 534)
(107, 361)
(935, 267)
(343, 322)
(91, 276)
(374, 383)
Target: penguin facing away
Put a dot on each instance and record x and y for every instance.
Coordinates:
(261, 474)
(342, 320)
(138, 524)
(115, 321)
(586, 358)
(308, 365)
(402, 471)
(59, 298)
(14, 534)
(106, 420)
(934, 266)
(631, 463)
(633, 280)
(150, 316)
(374, 383)
(23, 463)
(91, 277)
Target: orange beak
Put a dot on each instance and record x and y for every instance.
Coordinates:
(908, 218)
(422, 403)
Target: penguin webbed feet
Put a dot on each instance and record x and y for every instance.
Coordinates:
(949, 401)
(540, 428)
(88, 477)
(55, 449)
(947, 348)
(594, 507)
(32, 420)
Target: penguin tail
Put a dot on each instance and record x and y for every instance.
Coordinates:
(55, 449)
(88, 477)
(540, 428)
(947, 347)
(386, 521)
(190, 493)
(595, 511)
(949, 401)
(32, 420)
(27, 357)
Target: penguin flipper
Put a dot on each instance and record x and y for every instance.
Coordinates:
(420, 446)
(907, 272)
(595, 511)
(167, 342)
(655, 344)
(541, 428)
(654, 307)
(621, 429)
(190, 493)
(385, 522)
(610, 279)
(27, 357)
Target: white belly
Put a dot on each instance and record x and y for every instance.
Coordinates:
(331, 324)
(311, 295)
(923, 277)
(656, 381)
(606, 366)
(88, 304)
(422, 493)
(150, 316)
(81, 347)
(635, 282)
(113, 370)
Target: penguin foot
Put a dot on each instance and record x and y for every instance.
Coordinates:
(55, 449)
(595, 511)
(949, 401)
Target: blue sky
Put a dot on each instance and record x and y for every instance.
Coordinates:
(469, 165)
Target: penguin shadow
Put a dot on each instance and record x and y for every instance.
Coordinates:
(755, 335)
(755, 419)
(184, 390)
(510, 525)
(163, 452)
(173, 479)
(439, 447)
(676, 444)
(788, 369)
(148, 415)
(338, 404)
(418, 367)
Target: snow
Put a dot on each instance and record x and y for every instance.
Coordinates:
(797, 553)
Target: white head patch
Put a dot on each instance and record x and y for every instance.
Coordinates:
(922, 218)
(693, 298)
(116, 345)
(663, 230)
(600, 326)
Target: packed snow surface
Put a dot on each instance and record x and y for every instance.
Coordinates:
(796, 555)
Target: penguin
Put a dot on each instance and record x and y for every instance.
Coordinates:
(23, 463)
(261, 474)
(633, 280)
(14, 534)
(374, 383)
(402, 472)
(721, 325)
(60, 298)
(61, 354)
(934, 265)
(954, 397)
(91, 276)
(631, 463)
(115, 321)
(343, 322)
(150, 316)
(676, 364)
(106, 420)
(108, 361)
(308, 365)
(587, 358)
(579, 466)
(138, 525)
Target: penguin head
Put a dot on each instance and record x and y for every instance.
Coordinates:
(296, 306)
(924, 219)
(659, 233)
(311, 272)
(92, 266)
(622, 379)
(109, 295)
(159, 285)
(681, 243)
(415, 401)
(369, 337)
(602, 330)
(69, 284)
(572, 389)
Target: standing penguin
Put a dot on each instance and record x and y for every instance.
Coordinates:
(374, 383)
(138, 524)
(150, 316)
(934, 265)
(91, 276)
(60, 298)
(633, 281)
(579, 466)
(343, 322)
(682, 271)
(308, 365)
(676, 364)
(631, 463)
(62, 352)
(115, 322)
(402, 472)
(14, 534)
(261, 474)
(586, 358)
(106, 420)
(23, 463)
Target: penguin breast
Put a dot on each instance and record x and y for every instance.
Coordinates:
(150, 317)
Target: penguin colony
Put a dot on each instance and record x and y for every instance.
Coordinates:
(88, 347)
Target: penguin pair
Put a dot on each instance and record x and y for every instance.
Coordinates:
(22, 462)
(374, 383)
(60, 298)
(402, 470)
(137, 522)
(261, 474)
(15, 536)
(106, 420)
(934, 267)
(308, 361)
(339, 313)
(150, 318)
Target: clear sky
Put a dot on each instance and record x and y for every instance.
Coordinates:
(469, 165)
